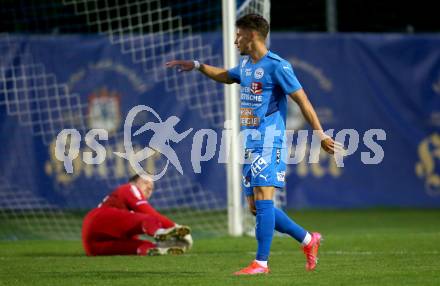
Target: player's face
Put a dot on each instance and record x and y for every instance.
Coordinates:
(146, 187)
(243, 41)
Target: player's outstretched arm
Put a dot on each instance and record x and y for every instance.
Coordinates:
(327, 143)
(215, 73)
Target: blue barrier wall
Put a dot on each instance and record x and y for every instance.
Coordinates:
(361, 82)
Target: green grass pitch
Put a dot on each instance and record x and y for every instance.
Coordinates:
(371, 247)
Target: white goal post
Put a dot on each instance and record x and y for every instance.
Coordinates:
(233, 173)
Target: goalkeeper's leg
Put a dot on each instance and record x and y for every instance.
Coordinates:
(120, 247)
(117, 223)
(115, 227)
(110, 231)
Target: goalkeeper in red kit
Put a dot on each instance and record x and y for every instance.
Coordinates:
(113, 227)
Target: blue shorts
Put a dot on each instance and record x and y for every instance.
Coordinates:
(267, 168)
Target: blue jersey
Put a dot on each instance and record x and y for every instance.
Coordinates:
(263, 105)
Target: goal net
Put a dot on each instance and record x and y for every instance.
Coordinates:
(37, 198)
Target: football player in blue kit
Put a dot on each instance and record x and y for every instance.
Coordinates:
(265, 79)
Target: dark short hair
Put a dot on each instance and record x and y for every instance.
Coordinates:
(134, 179)
(254, 22)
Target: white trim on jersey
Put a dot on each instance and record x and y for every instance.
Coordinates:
(135, 191)
(103, 201)
(141, 202)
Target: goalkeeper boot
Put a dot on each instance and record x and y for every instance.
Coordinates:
(177, 231)
(157, 251)
(185, 243)
(311, 251)
(252, 269)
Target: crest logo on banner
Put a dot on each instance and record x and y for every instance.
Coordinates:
(104, 110)
(428, 166)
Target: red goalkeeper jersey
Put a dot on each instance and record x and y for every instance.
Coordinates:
(129, 197)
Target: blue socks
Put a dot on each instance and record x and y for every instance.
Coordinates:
(265, 227)
(285, 224)
(269, 219)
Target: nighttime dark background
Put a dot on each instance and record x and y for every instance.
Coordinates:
(38, 16)
(357, 16)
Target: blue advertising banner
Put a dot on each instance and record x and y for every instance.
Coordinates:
(358, 82)
(362, 82)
